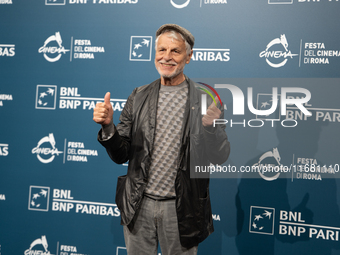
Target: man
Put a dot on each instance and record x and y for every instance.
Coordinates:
(160, 126)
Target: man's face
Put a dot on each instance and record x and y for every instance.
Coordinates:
(171, 57)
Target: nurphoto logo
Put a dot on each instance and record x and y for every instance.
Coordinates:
(238, 104)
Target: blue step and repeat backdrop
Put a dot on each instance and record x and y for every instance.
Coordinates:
(59, 57)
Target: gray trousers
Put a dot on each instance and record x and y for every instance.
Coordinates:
(156, 221)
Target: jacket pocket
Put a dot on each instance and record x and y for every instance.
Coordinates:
(205, 211)
(120, 191)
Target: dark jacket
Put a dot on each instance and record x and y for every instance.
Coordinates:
(133, 142)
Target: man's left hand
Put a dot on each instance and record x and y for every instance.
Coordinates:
(212, 113)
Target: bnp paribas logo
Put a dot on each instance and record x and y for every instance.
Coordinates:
(55, 2)
(46, 97)
(261, 220)
(140, 48)
(38, 198)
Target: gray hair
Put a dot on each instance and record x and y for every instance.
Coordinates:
(174, 35)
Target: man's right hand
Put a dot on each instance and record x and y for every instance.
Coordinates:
(102, 113)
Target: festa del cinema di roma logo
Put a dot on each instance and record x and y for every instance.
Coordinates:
(38, 246)
(274, 53)
(49, 151)
(52, 48)
(261, 166)
(180, 6)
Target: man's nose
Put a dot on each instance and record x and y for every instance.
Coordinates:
(167, 55)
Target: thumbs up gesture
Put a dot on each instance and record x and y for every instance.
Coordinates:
(212, 113)
(102, 113)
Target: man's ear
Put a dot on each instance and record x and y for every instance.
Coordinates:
(189, 57)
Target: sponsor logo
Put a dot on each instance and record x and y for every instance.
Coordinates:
(46, 97)
(69, 99)
(5, 1)
(210, 55)
(261, 220)
(80, 49)
(121, 250)
(64, 249)
(5, 97)
(299, 1)
(264, 102)
(291, 223)
(4, 149)
(39, 198)
(309, 169)
(55, 2)
(63, 201)
(111, 1)
(318, 114)
(216, 217)
(280, 1)
(83, 49)
(270, 166)
(180, 3)
(73, 150)
(214, 2)
(77, 152)
(46, 149)
(316, 53)
(52, 48)
(2, 197)
(7, 50)
(277, 53)
(314, 1)
(63, 2)
(38, 246)
(140, 48)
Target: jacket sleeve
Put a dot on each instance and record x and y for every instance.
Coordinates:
(118, 146)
